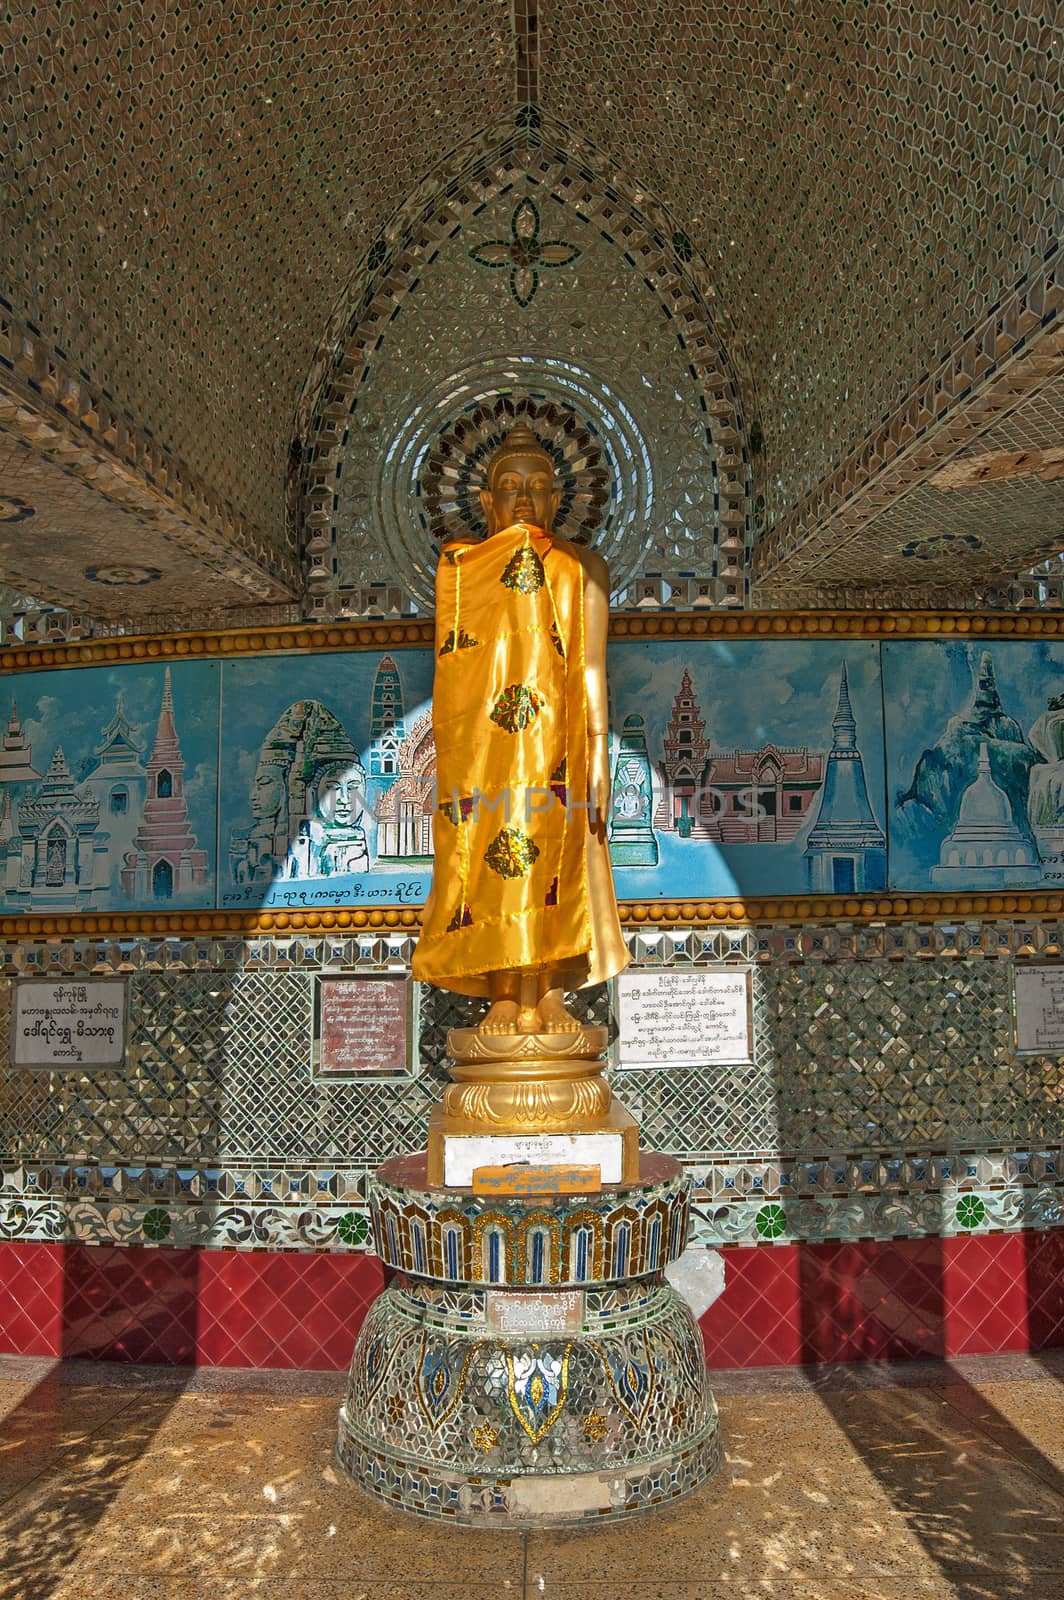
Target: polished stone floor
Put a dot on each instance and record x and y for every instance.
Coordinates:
(906, 1483)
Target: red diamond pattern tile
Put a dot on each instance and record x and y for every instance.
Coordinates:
(130, 1303)
(31, 1298)
(985, 1290)
(871, 1302)
(1044, 1264)
(978, 1294)
(782, 1304)
(285, 1310)
(756, 1321)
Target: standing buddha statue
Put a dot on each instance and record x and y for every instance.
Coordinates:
(522, 906)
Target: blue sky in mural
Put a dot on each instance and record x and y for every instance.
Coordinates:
(749, 833)
(946, 704)
(82, 849)
(302, 777)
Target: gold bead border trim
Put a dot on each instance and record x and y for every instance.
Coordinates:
(412, 631)
(235, 642)
(634, 913)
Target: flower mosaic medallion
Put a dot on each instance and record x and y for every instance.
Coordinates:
(156, 1224)
(770, 1221)
(971, 1211)
(123, 577)
(524, 252)
(352, 1228)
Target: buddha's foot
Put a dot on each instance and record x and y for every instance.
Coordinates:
(553, 1016)
(501, 1017)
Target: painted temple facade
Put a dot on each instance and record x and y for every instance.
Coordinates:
(846, 849)
(405, 809)
(754, 796)
(165, 860)
(56, 849)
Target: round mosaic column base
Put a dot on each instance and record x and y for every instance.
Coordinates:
(528, 1408)
(565, 1500)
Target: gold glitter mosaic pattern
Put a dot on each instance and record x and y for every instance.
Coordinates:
(996, 506)
(864, 180)
(189, 187)
(61, 537)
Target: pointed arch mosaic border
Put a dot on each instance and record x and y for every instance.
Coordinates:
(543, 153)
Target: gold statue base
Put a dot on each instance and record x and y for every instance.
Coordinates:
(522, 1085)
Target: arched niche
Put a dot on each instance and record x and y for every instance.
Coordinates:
(617, 330)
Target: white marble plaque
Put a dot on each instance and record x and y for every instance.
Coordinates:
(701, 1016)
(564, 1493)
(535, 1312)
(463, 1152)
(1039, 1007)
(69, 1023)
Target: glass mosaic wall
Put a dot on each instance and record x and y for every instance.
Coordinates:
(885, 1099)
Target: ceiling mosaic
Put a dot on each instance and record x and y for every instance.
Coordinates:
(996, 504)
(189, 187)
(591, 342)
(865, 178)
(221, 226)
(73, 522)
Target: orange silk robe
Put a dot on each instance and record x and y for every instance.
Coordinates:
(520, 883)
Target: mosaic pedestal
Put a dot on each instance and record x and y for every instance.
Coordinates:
(529, 1365)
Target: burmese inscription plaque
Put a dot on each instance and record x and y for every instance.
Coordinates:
(69, 1024)
(1039, 1008)
(535, 1313)
(363, 1026)
(692, 1016)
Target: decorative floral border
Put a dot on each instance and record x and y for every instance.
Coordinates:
(87, 1212)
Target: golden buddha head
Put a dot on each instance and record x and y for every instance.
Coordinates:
(521, 484)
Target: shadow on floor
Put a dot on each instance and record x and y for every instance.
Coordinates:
(66, 1449)
(983, 1501)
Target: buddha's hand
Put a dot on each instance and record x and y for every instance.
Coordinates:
(598, 780)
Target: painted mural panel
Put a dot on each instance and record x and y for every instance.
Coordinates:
(975, 757)
(328, 780)
(108, 789)
(739, 768)
(746, 767)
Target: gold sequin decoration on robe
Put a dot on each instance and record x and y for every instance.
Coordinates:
(520, 883)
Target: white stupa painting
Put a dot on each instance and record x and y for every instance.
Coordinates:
(985, 847)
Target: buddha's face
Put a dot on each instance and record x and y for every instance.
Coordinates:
(520, 489)
(267, 793)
